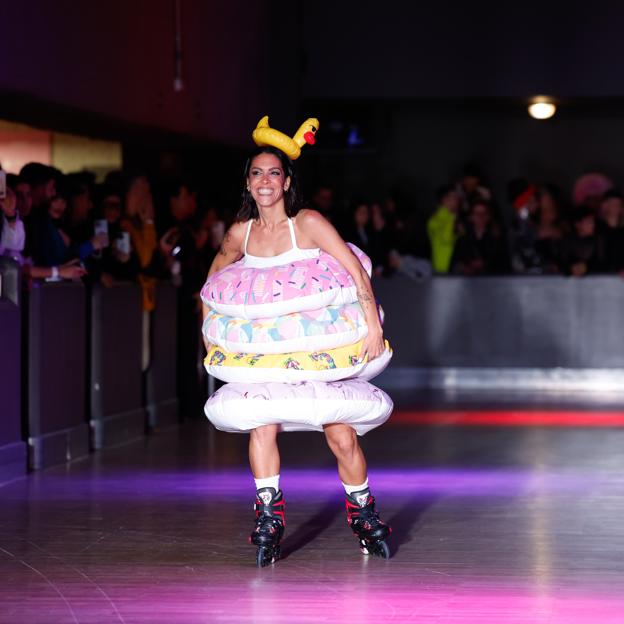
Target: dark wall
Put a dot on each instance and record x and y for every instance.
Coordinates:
(116, 58)
(416, 147)
(396, 49)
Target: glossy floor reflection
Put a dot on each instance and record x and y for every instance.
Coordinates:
(491, 524)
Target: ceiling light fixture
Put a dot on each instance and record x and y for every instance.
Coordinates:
(542, 107)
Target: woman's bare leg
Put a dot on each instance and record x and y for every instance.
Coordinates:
(264, 456)
(342, 441)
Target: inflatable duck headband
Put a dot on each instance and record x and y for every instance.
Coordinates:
(264, 135)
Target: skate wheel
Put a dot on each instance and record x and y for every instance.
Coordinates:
(263, 557)
(381, 549)
(266, 556)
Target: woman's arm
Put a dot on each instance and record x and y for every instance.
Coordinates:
(231, 248)
(323, 234)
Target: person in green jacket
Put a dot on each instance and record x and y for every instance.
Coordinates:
(442, 230)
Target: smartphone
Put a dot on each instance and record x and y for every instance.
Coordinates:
(123, 243)
(2, 184)
(101, 227)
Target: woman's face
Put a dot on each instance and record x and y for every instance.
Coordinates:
(548, 209)
(548, 213)
(361, 215)
(480, 216)
(138, 195)
(266, 180)
(24, 198)
(81, 205)
(586, 226)
(377, 217)
(57, 207)
(8, 204)
(111, 208)
(611, 209)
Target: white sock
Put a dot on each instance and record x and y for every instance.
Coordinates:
(268, 482)
(349, 489)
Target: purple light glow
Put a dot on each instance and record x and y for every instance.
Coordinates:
(238, 482)
(140, 543)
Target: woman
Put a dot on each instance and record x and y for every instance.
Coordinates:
(550, 228)
(13, 241)
(357, 230)
(479, 250)
(52, 245)
(271, 229)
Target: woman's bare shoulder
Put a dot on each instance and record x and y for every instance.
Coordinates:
(237, 230)
(308, 218)
(316, 229)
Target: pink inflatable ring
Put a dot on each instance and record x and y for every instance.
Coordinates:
(251, 293)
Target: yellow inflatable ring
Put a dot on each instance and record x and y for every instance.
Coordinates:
(328, 365)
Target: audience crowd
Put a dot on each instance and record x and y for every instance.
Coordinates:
(127, 228)
(68, 227)
(537, 230)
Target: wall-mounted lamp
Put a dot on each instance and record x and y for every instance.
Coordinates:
(542, 107)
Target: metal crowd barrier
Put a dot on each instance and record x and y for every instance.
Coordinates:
(13, 451)
(116, 380)
(548, 332)
(161, 391)
(71, 376)
(56, 372)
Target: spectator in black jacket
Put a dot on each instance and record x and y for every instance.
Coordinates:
(480, 249)
(584, 251)
(610, 227)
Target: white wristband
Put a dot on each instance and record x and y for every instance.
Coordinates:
(55, 272)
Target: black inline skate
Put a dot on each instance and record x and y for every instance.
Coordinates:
(270, 523)
(365, 523)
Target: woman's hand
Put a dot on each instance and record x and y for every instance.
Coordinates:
(168, 241)
(373, 345)
(106, 279)
(72, 270)
(100, 241)
(120, 256)
(146, 209)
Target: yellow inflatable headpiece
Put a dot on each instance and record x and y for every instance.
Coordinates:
(265, 135)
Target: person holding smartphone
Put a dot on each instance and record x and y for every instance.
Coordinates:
(13, 241)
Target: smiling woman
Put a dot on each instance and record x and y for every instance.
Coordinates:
(279, 257)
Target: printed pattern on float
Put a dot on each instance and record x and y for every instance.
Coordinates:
(311, 283)
(310, 330)
(328, 365)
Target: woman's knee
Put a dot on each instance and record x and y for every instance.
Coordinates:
(342, 440)
(265, 434)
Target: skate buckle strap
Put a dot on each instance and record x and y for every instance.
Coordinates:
(365, 513)
(273, 509)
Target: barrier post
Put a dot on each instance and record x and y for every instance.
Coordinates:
(57, 423)
(13, 450)
(160, 378)
(117, 411)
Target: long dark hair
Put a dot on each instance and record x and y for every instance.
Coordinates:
(292, 197)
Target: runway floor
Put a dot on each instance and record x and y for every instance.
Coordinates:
(491, 524)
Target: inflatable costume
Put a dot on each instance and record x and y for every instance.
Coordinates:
(285, 333)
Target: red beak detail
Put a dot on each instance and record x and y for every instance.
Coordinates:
(309, 138)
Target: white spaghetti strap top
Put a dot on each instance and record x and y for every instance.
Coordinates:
(295, 253)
